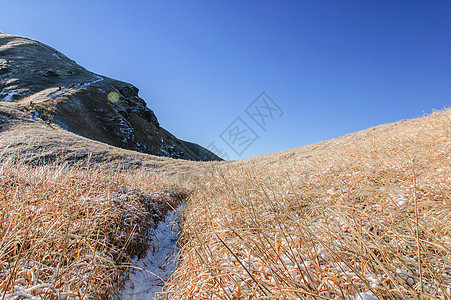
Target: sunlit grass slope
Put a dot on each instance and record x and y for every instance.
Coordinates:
(364, 216)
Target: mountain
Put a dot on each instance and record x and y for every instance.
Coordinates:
(51, 87)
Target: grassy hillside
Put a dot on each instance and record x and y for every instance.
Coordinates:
(367, 214)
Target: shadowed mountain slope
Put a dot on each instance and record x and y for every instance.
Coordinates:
(57, 90)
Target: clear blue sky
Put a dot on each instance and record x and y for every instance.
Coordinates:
(333, 67)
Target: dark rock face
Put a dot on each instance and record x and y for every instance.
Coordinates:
(97, 107)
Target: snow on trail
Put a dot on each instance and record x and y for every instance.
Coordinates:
(147, 275)
(64, 90)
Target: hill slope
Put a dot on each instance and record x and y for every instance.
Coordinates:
(363, 216)
(90, 105)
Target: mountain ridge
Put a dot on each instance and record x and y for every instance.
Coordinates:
(61, 92)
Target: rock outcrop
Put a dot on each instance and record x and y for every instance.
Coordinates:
(61, 92)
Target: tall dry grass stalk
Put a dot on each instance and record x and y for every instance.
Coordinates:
(69, 233)
(366, 215)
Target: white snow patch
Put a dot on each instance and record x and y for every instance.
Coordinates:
(148, 275)
(36, 114)
(6, 95)
(6, 99)
(98, 78)
(365, 296)
(322, 256)
(401, 201)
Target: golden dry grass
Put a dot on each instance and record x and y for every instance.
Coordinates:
(68, 233)
(368, 214)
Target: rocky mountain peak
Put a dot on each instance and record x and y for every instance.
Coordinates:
(59, 91)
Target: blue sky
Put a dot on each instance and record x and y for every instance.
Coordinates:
(332, 67)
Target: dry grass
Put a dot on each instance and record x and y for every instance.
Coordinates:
(367, 214)
(68, 233)
(364, 215)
